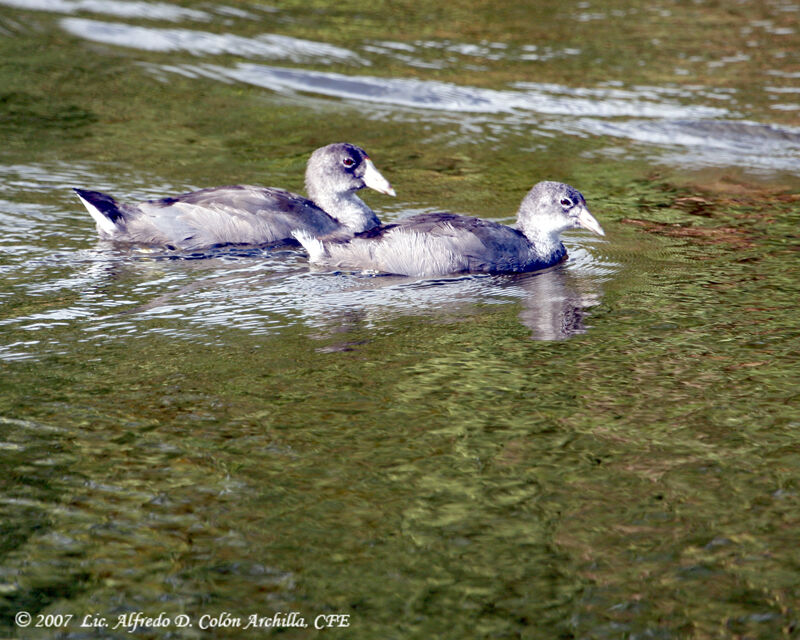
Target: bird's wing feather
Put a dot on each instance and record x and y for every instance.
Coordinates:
(220, 215)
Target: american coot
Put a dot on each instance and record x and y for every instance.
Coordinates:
(435, 244)
(247, 214)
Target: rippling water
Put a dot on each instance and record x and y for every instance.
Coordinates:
(694, 118)
(606, 449)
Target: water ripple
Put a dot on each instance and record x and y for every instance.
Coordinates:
(440, 54)
(199, 43)
(151, 10)
(646, 115)
(710, 142)
(442, 96)
(61, 177)
(699, 122)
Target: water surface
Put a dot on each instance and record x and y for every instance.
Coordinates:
(607, 449)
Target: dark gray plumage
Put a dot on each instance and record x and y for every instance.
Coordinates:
(436, 244)
(249, 214)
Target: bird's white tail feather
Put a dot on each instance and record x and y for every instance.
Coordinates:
(316, 250)
(104, 225)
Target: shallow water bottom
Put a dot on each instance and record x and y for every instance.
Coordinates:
(405, 452)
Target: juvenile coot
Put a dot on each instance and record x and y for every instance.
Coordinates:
(436, 244)
(248, 214)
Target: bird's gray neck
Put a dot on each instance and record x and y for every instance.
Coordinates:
(350, 210)
(546, 244)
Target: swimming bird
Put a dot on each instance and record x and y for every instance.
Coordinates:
(437, 244)
(248, 214)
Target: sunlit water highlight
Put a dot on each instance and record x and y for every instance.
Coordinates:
(271, 46)
(152, 10)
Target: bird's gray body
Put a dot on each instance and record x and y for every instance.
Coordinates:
(244, 214)
(220, 215)
(436, 244)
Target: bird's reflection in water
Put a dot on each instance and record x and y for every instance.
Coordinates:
(264, 292)
(555, 303)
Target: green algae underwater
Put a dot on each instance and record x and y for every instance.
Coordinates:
(605, 450)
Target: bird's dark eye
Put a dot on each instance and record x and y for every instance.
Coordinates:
(348, 162)
(566, 202)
